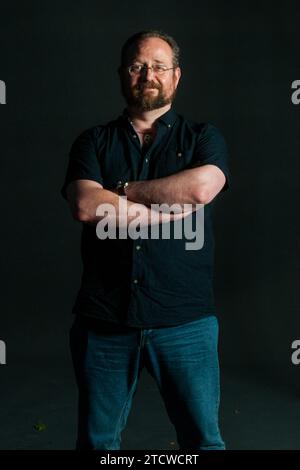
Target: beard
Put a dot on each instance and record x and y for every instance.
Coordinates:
(146, 101)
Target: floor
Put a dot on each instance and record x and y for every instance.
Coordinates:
(38, 410)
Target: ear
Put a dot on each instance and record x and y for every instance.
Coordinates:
(177, 73)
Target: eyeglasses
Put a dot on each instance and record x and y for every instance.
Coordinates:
(136, 69)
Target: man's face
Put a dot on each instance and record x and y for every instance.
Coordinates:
(148, 90)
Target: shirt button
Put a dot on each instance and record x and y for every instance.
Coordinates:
(135, 281)
(169, 125)
(138, 247)
(134, 136)
(146, 160)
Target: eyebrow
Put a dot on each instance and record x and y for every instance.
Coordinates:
(155, 60)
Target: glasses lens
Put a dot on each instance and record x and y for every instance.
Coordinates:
(134, 69)
(138, 69)
(159, 69)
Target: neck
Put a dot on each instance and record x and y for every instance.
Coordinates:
(145, 120)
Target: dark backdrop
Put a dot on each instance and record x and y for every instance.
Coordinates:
(59, 61)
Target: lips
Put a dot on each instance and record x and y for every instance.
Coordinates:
(142, 88)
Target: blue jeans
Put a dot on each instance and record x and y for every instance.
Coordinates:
(183, 360)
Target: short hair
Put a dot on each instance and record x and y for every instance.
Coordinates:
(151, 33)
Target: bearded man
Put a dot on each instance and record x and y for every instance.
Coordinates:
(146, 301)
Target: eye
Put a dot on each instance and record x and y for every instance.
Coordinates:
(135, 68)
(159, 68)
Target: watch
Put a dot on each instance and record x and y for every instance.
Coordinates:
(121, 188)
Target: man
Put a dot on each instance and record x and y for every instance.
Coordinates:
(146, 302)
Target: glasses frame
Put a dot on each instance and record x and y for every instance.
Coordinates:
(144, 68)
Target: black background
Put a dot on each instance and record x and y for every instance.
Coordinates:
(59, 62)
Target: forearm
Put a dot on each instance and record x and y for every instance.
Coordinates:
(184, 187)
(99, 204)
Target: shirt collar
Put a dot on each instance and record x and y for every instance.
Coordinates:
(167, 118)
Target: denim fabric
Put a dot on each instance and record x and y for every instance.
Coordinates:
(183, 360)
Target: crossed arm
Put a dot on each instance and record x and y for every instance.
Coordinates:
(192, 186)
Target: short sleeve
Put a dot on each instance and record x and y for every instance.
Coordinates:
(212, 149)
(83, 162)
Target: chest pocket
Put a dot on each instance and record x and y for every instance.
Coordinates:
(172, 160)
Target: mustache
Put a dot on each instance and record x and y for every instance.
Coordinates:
(144, 85)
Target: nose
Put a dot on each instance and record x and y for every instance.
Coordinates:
(147, 72)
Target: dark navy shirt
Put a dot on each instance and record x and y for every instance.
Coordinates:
(145, 282)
